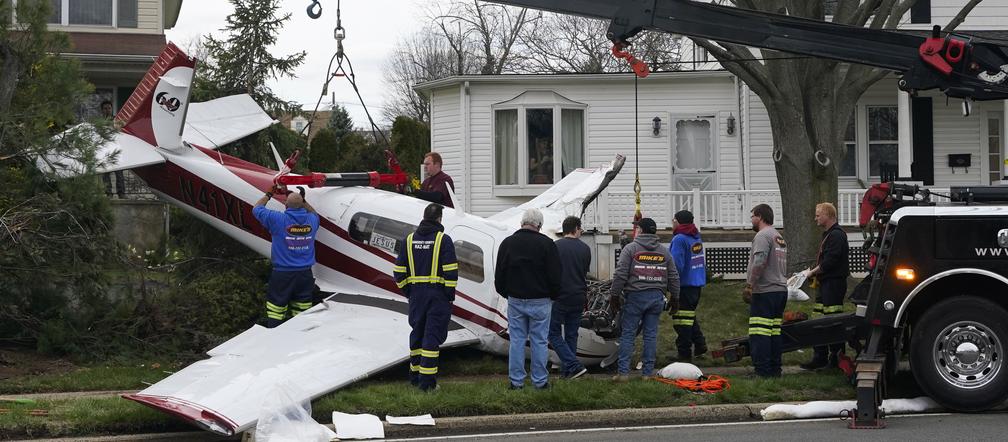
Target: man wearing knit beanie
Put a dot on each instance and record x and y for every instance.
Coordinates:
(688, 254)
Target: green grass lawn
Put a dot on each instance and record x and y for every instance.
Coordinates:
(471, 397)
(722, 315)
(472, 383)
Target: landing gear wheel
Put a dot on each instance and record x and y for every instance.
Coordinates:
(958, 350)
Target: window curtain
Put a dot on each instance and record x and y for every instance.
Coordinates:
(127, 16)
(91, 12)
(506, 146)
(57, 12)
(693, 144)
(572, 130)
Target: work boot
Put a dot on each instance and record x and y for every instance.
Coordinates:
(621, 378)
(576, 374)
(815, 364)
(699, 350)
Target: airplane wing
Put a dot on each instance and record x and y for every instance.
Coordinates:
(569, 196)
(344, 339)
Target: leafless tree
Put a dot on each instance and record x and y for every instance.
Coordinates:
(572, 44)
(810, 101)
(484, 31)
(421, 57)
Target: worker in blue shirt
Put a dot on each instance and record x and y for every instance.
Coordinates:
(688, 254)
(292, 253)
(427, 272)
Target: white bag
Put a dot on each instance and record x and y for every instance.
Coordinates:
(794, 284)
(286, 416)
(680, 370)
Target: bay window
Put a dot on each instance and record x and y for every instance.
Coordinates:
(539, 137)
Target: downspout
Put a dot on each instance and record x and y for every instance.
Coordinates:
(743, 129)
(466, 148)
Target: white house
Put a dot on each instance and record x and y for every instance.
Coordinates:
(703, 138)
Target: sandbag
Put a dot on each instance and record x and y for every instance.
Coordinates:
(680, 370)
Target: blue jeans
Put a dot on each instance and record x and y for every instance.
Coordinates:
(528, 320)
(565, 343)
(641, 308)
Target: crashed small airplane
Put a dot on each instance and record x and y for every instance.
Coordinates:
(361, 328)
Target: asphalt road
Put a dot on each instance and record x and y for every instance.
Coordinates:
(943, 427)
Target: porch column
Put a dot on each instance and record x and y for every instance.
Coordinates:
(1004, 141)
(905, 134)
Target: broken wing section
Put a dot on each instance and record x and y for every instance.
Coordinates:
(569, 196)
(346, 338)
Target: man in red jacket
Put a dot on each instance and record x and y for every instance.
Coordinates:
(435, 187)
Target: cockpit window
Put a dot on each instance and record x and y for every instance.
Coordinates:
(470, 260)
(383, 233)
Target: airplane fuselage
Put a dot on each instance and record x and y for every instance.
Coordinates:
(359, 234)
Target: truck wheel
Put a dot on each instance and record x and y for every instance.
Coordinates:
(957, 353)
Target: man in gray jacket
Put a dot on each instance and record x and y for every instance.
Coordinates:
(766, 292)
(644, 274)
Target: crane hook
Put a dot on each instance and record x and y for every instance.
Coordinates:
(311, 9)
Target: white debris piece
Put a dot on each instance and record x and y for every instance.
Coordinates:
(286, 418)
(357, 426)
(426, 419)
(680, 370)
(833, 408)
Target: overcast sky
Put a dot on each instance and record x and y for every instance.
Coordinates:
(372, 29)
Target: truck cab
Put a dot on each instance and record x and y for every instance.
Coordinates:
(939, 291)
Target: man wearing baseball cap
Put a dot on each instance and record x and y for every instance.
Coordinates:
(644, 274)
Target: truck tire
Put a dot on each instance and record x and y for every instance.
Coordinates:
(957, 353)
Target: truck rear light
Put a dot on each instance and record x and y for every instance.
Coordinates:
(905, 274)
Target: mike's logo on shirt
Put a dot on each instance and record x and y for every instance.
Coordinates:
(697, 248)
(299, 229)
(651, 258)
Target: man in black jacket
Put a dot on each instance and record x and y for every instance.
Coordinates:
(830, 273)
(528, 275)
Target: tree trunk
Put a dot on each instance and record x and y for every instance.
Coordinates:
(808, 125)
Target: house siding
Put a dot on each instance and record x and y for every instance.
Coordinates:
(991, 15)
(149, 15)
(609, 121)
(446, 137)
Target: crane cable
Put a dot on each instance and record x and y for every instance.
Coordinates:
(339, 34)
(637, 186)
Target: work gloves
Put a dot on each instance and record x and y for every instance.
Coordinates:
(747, 294)
(615, 303)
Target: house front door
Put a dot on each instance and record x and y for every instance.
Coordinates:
(694, 144)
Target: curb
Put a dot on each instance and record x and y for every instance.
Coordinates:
(626, 417)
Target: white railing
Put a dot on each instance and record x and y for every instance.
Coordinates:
(711, 208)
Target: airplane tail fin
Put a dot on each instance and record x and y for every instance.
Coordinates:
(157, 109)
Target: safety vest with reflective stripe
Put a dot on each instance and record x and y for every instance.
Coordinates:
(427, 263)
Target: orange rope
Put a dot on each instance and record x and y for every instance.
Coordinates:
(710, 384)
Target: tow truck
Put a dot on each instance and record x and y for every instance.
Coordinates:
(938, 284)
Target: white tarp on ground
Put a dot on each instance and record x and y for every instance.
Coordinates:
(357, 426)
(833, 408)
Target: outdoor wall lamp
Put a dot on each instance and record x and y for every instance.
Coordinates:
(656, 126)
(731, 124)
